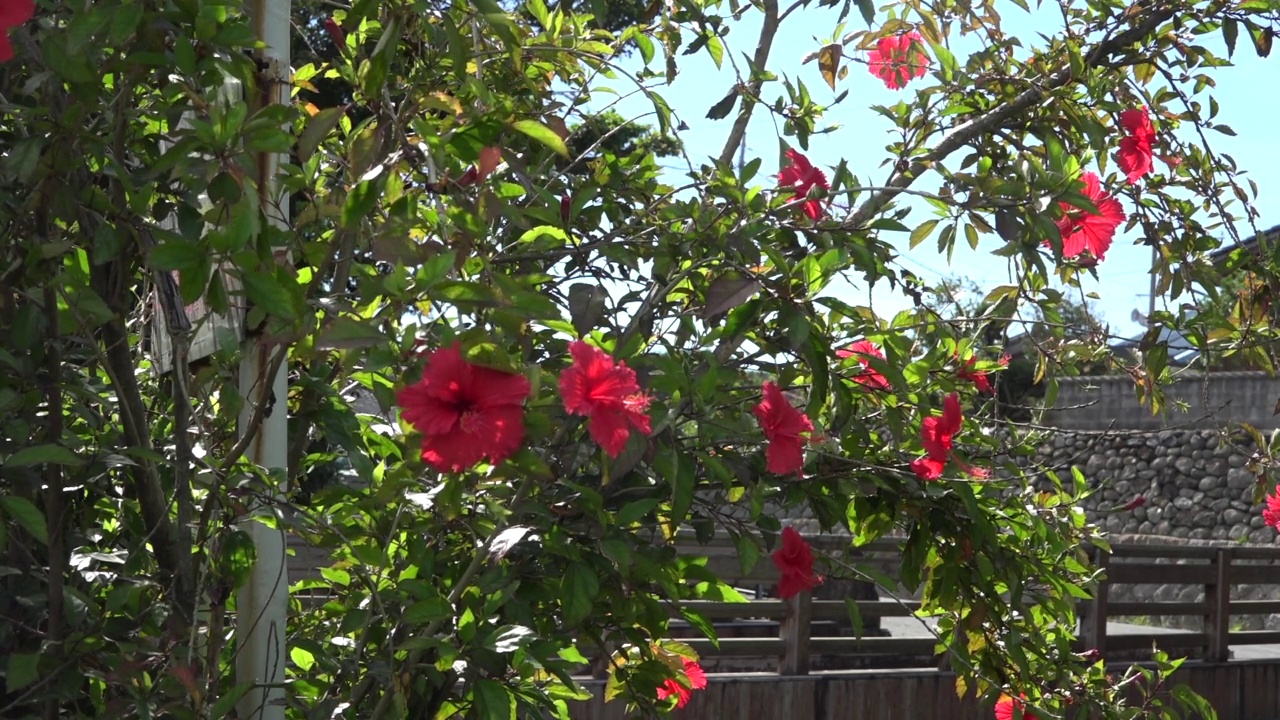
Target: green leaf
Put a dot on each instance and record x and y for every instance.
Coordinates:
(302, 658)
(586, 306)
(24, 669)
(1230, 30)
(680, 470)
(721, 110)
(26, 514)
(922, 232)
(748, 552)
(578, 590)
(345, 333)
(855, 616)
(513, 637)
(718, 591)
(460, 291)
(1262, 38)
(542, 134)
(42, 454)
(318, 128)
(868, 10)
(265, 291)
(177, 255)
(632, 512)
(491, 701)
(429, 610)
(361, 200)
(544, 230)
(716, 49)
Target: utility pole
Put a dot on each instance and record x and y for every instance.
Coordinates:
(262, 604)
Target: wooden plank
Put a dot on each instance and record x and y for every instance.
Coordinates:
(716, 610)
(773, 647)
(1254, 574)
(1164, 640)
(1254, 637)
(820, 609)
(1144, 609)
(1255, 607)
(794, 633)
(1217, 619)
(1093, 623)
(1170, 552)
(837, 610)
(737, 647)
(1162, 574)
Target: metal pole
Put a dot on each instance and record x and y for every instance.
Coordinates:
(262, 604)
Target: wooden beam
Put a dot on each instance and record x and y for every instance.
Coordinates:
(1217, 621)
(794, 633)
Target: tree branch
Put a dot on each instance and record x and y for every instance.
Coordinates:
(758, 63)
(967, 132)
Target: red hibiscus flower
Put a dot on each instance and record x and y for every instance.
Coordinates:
(795, 561)
(937, 435)
(12, 14)
(892, 60)
(605, 392)
(802, 176)
(1134, 157)
(1005, 708)
(869, 377)
(979, 378)
(672, 687)
(1271, 513)
(784, 427)
(465, 412)
(1084, 232)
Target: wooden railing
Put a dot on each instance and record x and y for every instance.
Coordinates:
(1212, 568)
(1215, 569)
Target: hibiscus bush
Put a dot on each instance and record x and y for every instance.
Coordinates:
(525, 383)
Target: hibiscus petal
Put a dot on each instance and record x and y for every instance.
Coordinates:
(15, 12)
(453, 451)
(491, 388)
(609, 428)
(425, 412)
(927, 468)
(502, 430)
(785, 456)
(799, 162)
(791, 584)
(446, 375)
(952, 418)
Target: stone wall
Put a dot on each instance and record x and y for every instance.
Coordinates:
(1196, 483)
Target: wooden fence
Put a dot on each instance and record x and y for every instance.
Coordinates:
(803, 625)
(1238, 690)
(807, 639)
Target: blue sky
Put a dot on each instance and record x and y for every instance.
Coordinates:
(862, 136)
